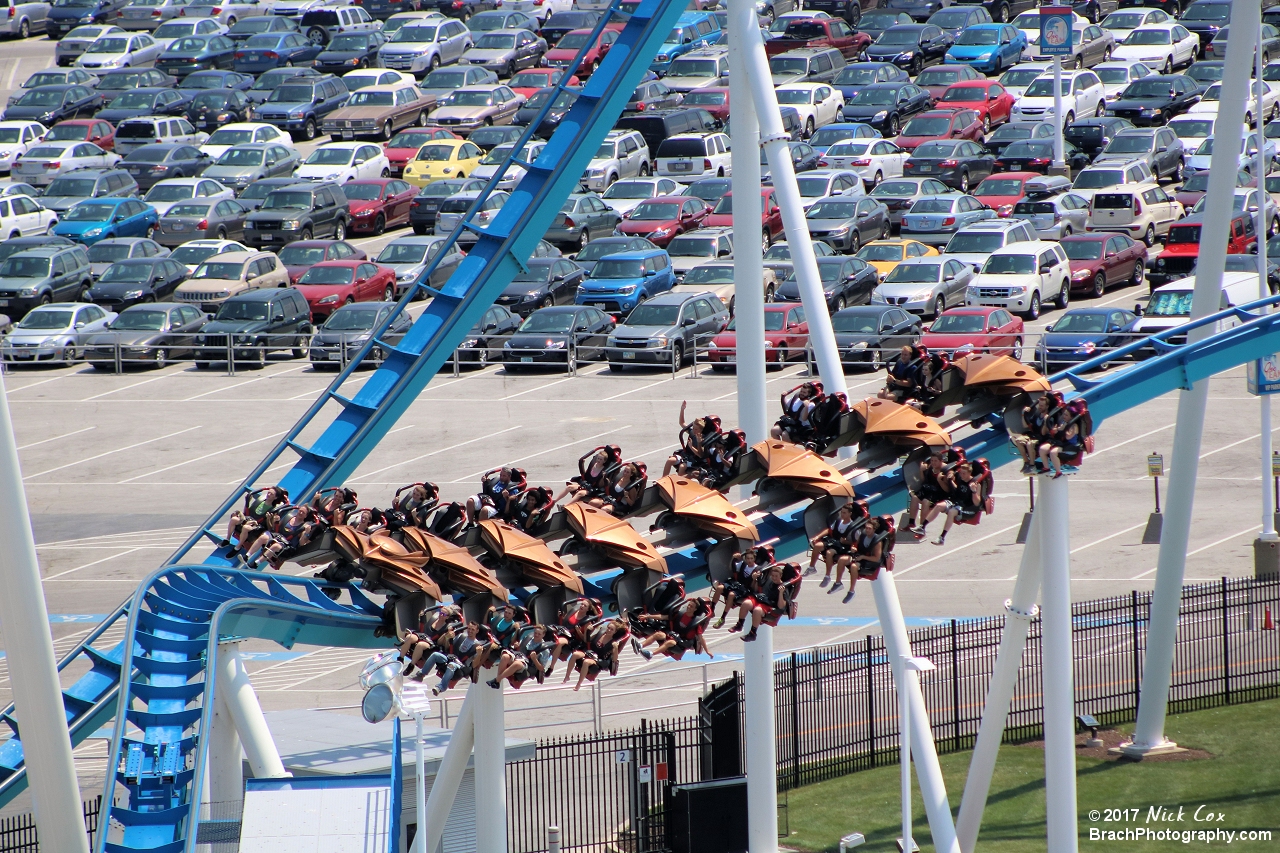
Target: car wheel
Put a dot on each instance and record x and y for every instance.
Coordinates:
(644, 170)
(231, 22)
(939, 305)
(986, 120)
(877, 179)
(1033, 312)
(584, 238)
(420, 230)
(465, 16)
(151, 231)
(1099, 285)
(388, 130)
(421, 120)
(1150, 237)
(840, 303)
(894, 125)
(1168, 66)
(546, 302)
(768, 293)
(1177, 172)
(1274, 229)
(855, 243)
(306, 234)
(389, 294)
(783, 357)
(1071, 117)
(511, 69)
(1064, 295)
(161, 358)
(309, 129)
(1002, 13)
(222, 233)
(24, 30)
(433, 64)
(1016, 352)
(917, 65)
(316, 35)
(766, 239)
(1138, 274)
(808, 127)
(201, 365)
(299, 350)
(677, 354)
(340, 230)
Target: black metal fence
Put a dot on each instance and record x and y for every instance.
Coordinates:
(18, 832)
(836, 710)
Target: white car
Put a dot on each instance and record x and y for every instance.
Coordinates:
(1202, 156)
(1029, 23)
(1193, 130)
(1022, 277)
(1082, 96)
(1105, 177)
(1162, 46)
(1116, 75)
(817, 103)
(344, 161)
(363, 78)
(539, 10)
(165, 194)
(1144, 212)
(48, 160)
(690, 157)
(1208, 103)
(490, 162)
(170, 31)
(241, 133)
(54, 332)
(625, 195)
(623, 154)
(16, 139)
(1019, 77)
(193, 253)
(227, 12)
(120, 51)
(1124, 21)
(824, 183)
(699, 246)
(22, 216)
(873, 159)
(698, 69)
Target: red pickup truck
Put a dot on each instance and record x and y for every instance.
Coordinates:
(819, 32)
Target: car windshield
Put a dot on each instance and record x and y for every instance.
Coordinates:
(253, 25)
(414, 34)
(895, 188)
(964, 94)
(41, 98)
(109, 45)
(1009, 265)
(1083, 250)
(953, 324)
(939, 76)
(70, 187)
(691, 246)
(1125, 144)
(789, 65)
(812, 187)
(854, 324)
(191, 255)
(913, 273)
(932, 205)
(242, 311)
(1172, 303)
(533, 78)
(241, 157)
(573, 41)
(133, 101)
(1011, 131)
(1197, 182)
(46, 320)
(410, 139)
(849, 149)
(195, 45)
(713, 274)
(655, 212)
(1092, 179)
(66, 131)
(230, 137)
(829, 137)
(291, 95)
(694, 68)
(365, 98)
(828, 272)
(895, 36)
(1112, 75)
(326, 156)
(192, 210)
(981, 242)
(1148, 87)
(212, 100)
(1216, 12)
(20, 267)
(1043, 87)
(90, 213)
(105, 253)
(395, 253)
(1184, 235)
(281, 199)
(1000, 186)
(1148, 37)
(1035, 148)
(832, 210)
(127, 272)
(706, 98)
(1208, 72)
(448, 79)
(139, 321)
(872, 97)
(496, 41)
(170, 192)
(362, 192)
(927, 126)
(219, 269)
(540, 321)
(618, 269)
(1019, 77)
(349, 42)
(881, 252)
(654, 315)
(979, 36)
(350, 318)
(328, 275)
(174, 30)
(1081, 322)
(471, 99)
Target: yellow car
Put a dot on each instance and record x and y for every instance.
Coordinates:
(884, 255)
(443, 158)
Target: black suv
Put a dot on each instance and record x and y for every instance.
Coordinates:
(259, 322)
(298, 212)
(657, 125)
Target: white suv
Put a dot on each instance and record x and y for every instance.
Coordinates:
(1143, 211)
(1111, 176)
(688, 157)
(1082, 95)
(623, 154)
(1022, 277)
(973, 243)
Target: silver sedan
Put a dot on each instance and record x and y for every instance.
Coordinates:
(54, 333)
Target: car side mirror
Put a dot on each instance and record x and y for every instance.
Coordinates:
(1044, 268)
(490, 327)
(1048, 328)
(650, 273)
(688, 321)
(1137, 309)
(277, 317)
(80, 324)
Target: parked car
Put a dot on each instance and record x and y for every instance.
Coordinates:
(146, 102)
(886, 106)
(409, 257)
(149, 334)
(543, 282)
(845, 281)
(340, 162)
(165, 194)
(1037, 155)
(198, 53)
(73, 40)
(786, 335)
(153, 163)
(40, 274)
(378, 203)
(52, 333)
(242, 133)
(1162, 46)
(589, 255)
(454, 208)
(298, 213)
(1099, 261)
(300, 255)
(622, 280)
(1082, 95)
(217, 219)
(266, 51)
(250, 326)
(988, 47)
(100, 133)
(426, 204)
(226, 274)
(925, 285)
(1142, 212)
(195, 252)
(975, 329)
(1155, 99)
(268, 81)
(99, 219)
(666, 329)
(52, 104)
(379, 110)
(475, 106)
(67, 190)
(1022, 277)
(898, 194)
(241, 167)
(422, 46)
(1083, 333)
(136, 280)
(661, 219)
(301, 105)
(933, 220)
(243, 29)
(119, 51)
(846, 223)
(555, 335)
(104, 253)
(213, 108)
(328, 284)
(1093, 134)
(868, 336)
(582, 217)
(350, 50)
(348, 328)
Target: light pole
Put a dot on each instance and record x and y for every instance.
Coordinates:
(1268, 534)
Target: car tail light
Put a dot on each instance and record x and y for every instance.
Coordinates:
(640, 107)
(1041, 161)
(202, 224)
(950, 220)
(1137, 206)
(12, 12)
(458, 4)
(271, 54)
(157, 13)
(864, 161)
(949, 163)
(999, 165)
(55, 165)
(1004, 210)
(706, 164)
(1057, 217)
(415, 204)
(182, 13)
(569, 223)
(239, 54)
(216, 10)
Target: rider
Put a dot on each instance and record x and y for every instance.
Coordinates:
(797, 410)
(833, 542)
(496, 487)
(627, 489)
(903, 375)
(742, 572)
(256, 506)
(1032, 433)
(965, 501)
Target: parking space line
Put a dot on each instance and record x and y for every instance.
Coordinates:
(638, 388)
(365, 477)
(241, 384)
(129, 387)
(109, 452)
(1248, 529)
(471, 477)
(537, 388)
(56, 438)
(37, 384)
(290, 463)
(900, 572)
(90, 565)
(200, 458)
(1111, 536)
(1135, 438)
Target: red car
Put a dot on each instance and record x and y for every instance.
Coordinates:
(819, 32)
(378, 204)
(938, 78)
(992, 101)
(95, 130)
(300, 255)
(1001, 192)
(975, 329)
(571, 42)
(662, 218)
(330, 284)
(1099, 260)
(940, 124)
(713, 99)
(403, 147)
(530, 80)
(771, 215)
(786, 334)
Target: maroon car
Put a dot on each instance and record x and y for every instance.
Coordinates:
(713, 99)
(936, 125)
(975, 329)
(1099, 260)
(660, 219)
(300, 255)
(379, 203)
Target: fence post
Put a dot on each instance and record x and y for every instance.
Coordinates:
(795, 723)
(597, 700)
(675, 365)
(1226, 644)
(119, 360)
(871, 703)
(1137, 654)
(231, 355)
(817, 672)
(955, 687)
(456, 372)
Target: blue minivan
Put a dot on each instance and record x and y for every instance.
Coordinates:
(692, 31)
(622, 281)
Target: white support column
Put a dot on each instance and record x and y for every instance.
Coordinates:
(748, 260)
(1019, 611)
(910, 680)
(491, 768)
(452, 767)
(1058, 672)
(928, 772)
(1268, 533)
(1157, 673)
(419, 785)
(225, 763)
(237, 691)
(762, 755)
(787, 191)
(1059, 149)
(33, 669)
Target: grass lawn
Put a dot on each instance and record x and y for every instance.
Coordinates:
(1241, 780)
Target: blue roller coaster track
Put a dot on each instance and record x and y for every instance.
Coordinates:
(153, 681)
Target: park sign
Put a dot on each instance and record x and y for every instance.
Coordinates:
(1263, 375)
(1056, 30)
